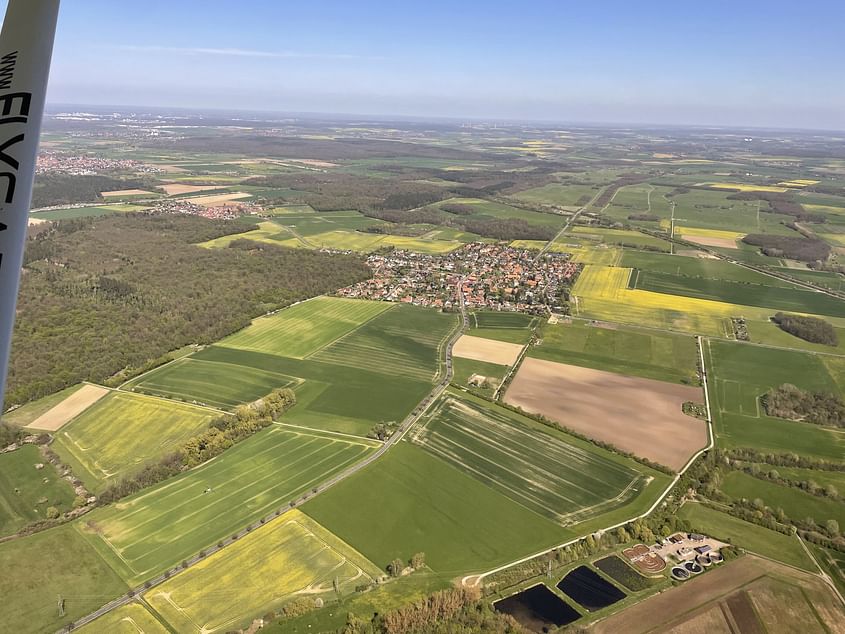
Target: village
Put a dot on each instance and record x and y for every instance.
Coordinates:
(491, 276)
(86, 164)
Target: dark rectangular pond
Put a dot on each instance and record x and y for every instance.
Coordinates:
(589, 589)
(538, 609)
(622, 573)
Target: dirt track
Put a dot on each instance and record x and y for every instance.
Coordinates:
(72, 406)
(480, 349)
(642, 416)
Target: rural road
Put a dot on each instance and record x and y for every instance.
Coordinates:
(568, 224)
(409, 422)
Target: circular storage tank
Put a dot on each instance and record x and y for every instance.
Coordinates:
(703, 560)
(693, 567)
(679, 573)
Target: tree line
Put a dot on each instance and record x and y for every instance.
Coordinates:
(221, 434)
(112, 295)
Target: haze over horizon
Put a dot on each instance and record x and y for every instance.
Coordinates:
(756, 64)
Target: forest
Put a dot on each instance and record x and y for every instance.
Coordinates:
(790, 402)
(113, 294)
(65, 189)
(791, 247)
(808, 328)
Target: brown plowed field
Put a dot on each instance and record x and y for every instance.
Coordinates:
(72, 406)
(642, 416)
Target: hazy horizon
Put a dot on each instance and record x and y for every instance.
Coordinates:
(753, 65)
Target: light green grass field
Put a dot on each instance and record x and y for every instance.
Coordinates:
(795, 503)
(769, 333)
(652, 354)
(133, 618)
(292, 555)
(749, 536)
(494, 210)
(42, 567)
(739, 374)
(208, 383)
(302, 330)
(410, 501)
(696, 267)
(465, 368)
(620, 237)
(540, 471)
(157, 528)
(567, 196)
(121, 432)
(24, 494)
(406, 341)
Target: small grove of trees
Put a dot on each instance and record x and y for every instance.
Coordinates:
(794, 248)
(10, 434)
(382, 431)
(221, 434)
(810, 329)
(793, 403)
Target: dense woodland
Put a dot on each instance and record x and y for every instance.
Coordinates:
(810, 329)
(63, 189)
(788, 401)
(105, 294)
(792, 247)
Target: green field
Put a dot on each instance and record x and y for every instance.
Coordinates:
(788, 299)
(769, 333)
(797, 504)
(751, 537)
(539, 470)
(159, 527)
(290, 555)
(652, 354)
(406, 341)
(24, 494)
(464, 368)
(502, 326)
(132, 618)
(624, 237)
(51, 564)
(207, 383)
(489, 210)
(410, 501)
(819, 476)
(334, 390)
(740, 373)
(567, 196)
(688, 266)
(120, 433)
(302, 330)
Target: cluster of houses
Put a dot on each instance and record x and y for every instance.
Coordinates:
(85, 164)
(185, 206)
(490, 276)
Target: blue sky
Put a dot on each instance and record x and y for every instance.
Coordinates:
(713, 63)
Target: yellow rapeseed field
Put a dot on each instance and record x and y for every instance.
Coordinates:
(708, 233)
(601, 293)
(291, 556)
(743, 187)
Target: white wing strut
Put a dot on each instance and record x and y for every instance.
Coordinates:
(26, 45)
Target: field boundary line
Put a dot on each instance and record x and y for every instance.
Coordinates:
(390, 307)
(822, 574)
(134, 378)
(375, 441)
(477, 578)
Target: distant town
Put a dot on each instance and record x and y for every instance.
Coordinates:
(490, 276)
